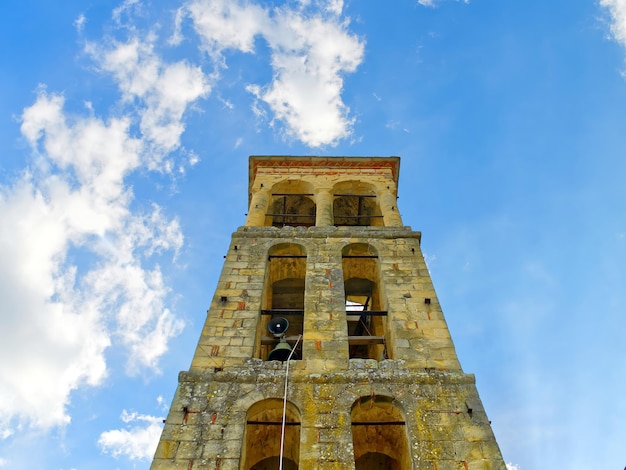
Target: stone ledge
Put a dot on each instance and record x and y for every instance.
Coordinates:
(258, 371)
(326, 232)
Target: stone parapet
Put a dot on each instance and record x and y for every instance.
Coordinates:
(329, 231)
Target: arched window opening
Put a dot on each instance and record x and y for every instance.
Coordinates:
(379, 435)
(355, 204)
(291, 205)
(263, 435)
(283, 297)
(364, 313)
(292, 210)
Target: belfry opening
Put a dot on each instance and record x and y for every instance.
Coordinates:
(355, 204)
(365, 316)
(283, 298)
(292, 205)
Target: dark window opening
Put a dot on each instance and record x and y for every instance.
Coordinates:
(356, 210)
(294, 210)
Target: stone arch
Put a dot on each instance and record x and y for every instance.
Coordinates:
(379, 434)
(262, 393)
(355, 203)
(292, 203)
(365, 311)
(262, 436)
(352, 394)
(283, 295)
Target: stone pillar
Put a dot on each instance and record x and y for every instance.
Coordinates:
(389, 209)
(324, 207)
(258, 208)
(325, 345)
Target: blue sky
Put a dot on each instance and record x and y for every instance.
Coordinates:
(125, 131)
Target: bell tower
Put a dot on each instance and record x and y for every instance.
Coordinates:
(325, 346)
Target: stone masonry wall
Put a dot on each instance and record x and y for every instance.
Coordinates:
(446, 426)
(417, 331)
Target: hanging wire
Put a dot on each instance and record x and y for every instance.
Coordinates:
(282, 428)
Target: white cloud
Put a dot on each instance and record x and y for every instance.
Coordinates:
(335, 6)
(617, 9)
(138, 442)
(193, 159)
(76, 273)
(311, 50)
(162, 92)
(161, 402)
(309, 57)
(79, 23)
(225, 24)
(48, 332)
(511, 466)
(126, 7)
(432, 3)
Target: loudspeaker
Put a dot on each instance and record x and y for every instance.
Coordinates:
(278, 326)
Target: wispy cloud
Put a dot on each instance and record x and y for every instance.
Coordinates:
(161, 91)
(79, 23)
(617, 9)
(432, 3)
(137, 442)
(311, 50)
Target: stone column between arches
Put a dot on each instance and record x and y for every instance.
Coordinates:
(325, 332)
(389, 209)
(324, 207)
(258, 208)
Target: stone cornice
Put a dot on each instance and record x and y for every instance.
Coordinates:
(287, 161)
